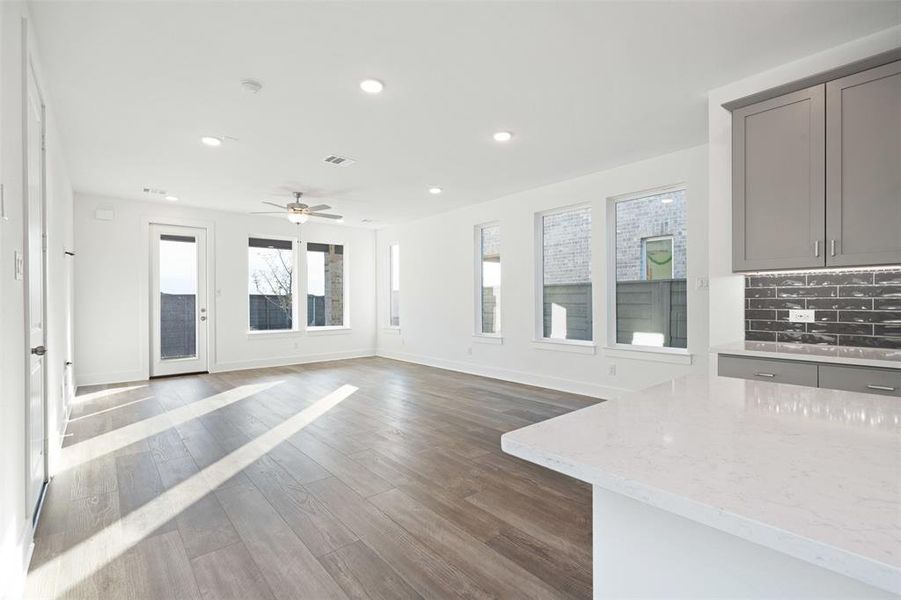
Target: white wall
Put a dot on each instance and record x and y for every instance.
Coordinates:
(726, 288)
(15, 529)
(437, 284)
(112, 290)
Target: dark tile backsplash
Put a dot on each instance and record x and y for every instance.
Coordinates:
(852, 308)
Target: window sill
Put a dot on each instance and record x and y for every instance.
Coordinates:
(329, 330)
(487, 338)
(575, 346)
(271, 332)
(676, 356)
(391, 330)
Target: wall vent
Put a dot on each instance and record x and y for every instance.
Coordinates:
(338, 161)
(154, 191)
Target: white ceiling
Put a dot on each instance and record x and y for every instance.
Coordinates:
(585, 86)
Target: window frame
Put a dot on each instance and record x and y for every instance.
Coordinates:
(482, 336)
(295, 283)
(345, 289)
(390, 278)
(538, 338)
(613, 348)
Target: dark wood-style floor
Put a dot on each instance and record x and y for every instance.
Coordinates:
(289, 483)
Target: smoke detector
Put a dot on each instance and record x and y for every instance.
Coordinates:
(251, 86)
(338, 161)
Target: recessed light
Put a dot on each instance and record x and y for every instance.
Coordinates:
(172, 198)
(210, 140)
(666, 200)
(341, 220)
(372, 86)
(503, 136)
(435, 190)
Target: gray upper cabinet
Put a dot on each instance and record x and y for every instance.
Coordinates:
(779, 183)
(863, 175)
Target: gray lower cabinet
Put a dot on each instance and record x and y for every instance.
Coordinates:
(870, 380)
(861, 379)
(778, 371)
(863, 175)
(778, 182)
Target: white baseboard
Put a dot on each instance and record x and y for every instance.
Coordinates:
(572, 386)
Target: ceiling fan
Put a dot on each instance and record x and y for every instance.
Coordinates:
(298, 212)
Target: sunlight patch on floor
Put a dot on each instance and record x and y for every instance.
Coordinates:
(78, 563)
(110, 409)
(81, 452)
(82, 398)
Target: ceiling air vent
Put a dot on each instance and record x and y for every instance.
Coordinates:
(154, 191)
(339, 161)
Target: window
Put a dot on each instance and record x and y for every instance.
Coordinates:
(566, 274)
(488, 302)
(271, 284)
(650, 265)
(394, 286)
(325, 285)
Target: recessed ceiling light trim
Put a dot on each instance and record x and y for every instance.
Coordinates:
(503, 136)
(372, 86)
(211, 141)
(435, 190)
(171, 198)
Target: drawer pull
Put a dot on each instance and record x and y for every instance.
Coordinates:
(881, 388)
(765, 374)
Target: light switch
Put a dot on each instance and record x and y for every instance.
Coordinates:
(20, 265)
(800, 316)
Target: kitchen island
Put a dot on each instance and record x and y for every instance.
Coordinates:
(712, 487)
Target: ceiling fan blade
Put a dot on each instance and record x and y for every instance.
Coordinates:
(275, 205)
(268, 212)
(319, 207)
(325, 215)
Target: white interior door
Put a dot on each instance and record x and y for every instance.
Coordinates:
(35, 297)
(178, 292)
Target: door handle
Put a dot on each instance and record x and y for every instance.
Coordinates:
(816, 248)
(881, 388)
(39, 350)
(832, 247)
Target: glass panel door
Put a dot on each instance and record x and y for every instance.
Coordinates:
(179, 301)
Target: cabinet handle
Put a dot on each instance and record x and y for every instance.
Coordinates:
(765, 374)
(881, 388)
(816, 248)
(832, 247)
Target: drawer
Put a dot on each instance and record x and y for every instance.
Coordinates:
(761, 369)
(861, 379)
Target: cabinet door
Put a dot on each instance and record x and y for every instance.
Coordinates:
(778, 182)
(863, 158)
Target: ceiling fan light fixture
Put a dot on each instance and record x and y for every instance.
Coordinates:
(298, 217)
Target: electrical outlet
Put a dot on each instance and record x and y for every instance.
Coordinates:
(611, 370)
(469, 350)
(800, 316)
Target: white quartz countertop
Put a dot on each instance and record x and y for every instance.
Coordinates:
(810, 472)
(842, 355)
